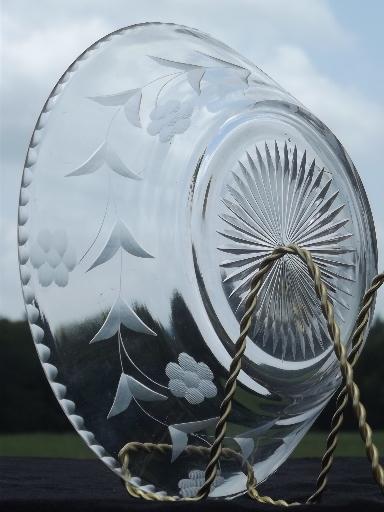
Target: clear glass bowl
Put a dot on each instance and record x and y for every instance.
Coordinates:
(163, 168)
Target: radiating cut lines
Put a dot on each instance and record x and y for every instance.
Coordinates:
(274, 200)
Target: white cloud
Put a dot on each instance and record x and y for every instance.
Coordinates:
(45, 38)
(36, 54)
(356, 119)
(40, 39)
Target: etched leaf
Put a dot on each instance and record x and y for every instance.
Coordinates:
(247, 445)
(120, 237)
(244, 73)
(179, 433)
(123, 397)
(174, 64)
(104, 155)
(142, 392)
(129, 388)
(195, 72)
(132, 109)
(117, 99)
(179, 442)
(130, 99)
(117, 165)
(121, 313)
(194, 78)
(92, 164)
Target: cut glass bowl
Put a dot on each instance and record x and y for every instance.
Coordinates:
(163, 168)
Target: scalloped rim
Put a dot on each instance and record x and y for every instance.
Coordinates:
(35, 319)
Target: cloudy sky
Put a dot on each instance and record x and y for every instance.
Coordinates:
(326, 53)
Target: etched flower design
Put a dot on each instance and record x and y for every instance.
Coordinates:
(190, 380)
(169, 119)
(190, 486)
(53, 257)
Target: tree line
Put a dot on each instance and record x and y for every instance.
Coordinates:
(28, 404)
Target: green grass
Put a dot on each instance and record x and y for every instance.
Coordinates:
(71, 445)
(350, 444)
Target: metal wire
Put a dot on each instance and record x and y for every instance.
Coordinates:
(203, 451)
(350, 391)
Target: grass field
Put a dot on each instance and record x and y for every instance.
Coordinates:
(71, 446)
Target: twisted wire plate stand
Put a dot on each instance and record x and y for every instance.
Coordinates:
(349, 391)
(163, 168)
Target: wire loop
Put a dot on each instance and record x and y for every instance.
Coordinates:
(349, 391)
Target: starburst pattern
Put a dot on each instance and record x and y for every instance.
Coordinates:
(277, 200)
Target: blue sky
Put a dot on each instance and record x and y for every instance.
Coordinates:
(327, 54)
(364, 65)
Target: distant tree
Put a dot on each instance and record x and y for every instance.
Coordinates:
(369, 375)
(27, 401)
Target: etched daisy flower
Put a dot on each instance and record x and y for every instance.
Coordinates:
(169, 119)
(190, 380)
(190, 486)
(53, 257)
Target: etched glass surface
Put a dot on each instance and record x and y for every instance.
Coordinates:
(163, 168)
